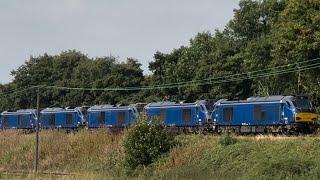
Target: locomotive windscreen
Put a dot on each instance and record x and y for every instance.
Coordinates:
(303, 104)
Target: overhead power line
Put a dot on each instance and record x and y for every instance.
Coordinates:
(20, 90)
(244, 73)
(224, 80)
(278, 70)
(161, 86)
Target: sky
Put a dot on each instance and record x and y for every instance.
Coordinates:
(122, 28)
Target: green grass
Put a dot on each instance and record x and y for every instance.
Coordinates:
(250, 158)
(99, 154)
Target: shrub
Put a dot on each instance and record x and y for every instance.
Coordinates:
(145, 142)
(226, 139)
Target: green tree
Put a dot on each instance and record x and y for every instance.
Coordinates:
(72, 69)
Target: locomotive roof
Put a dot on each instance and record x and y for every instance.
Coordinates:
(267, 98)
(258, 99)
(21, 111)
(169, 103)
(57, 109)
(27, 110)
(163, 103)
(108, 106)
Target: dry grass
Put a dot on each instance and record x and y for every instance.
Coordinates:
(99, 155)
(62, 177)
(80, 152)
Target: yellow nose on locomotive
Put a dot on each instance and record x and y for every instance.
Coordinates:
(306, 117)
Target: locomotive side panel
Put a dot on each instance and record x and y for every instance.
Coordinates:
(22, 119)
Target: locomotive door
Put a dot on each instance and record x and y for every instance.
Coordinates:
(197, 116)
(281, 113)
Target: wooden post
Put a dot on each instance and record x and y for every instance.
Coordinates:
(37, 133)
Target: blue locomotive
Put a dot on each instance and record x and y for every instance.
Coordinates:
(265, 114)
(111, 116)
(56, 118)
(275, 114)
(21, 119)
(173, 114)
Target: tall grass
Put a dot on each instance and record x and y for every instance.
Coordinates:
(99, 154)
(262, 157)
(93, 151)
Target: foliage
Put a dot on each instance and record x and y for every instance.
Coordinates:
(145, 143)
(226, 139)
(72, 69)
(262, 34)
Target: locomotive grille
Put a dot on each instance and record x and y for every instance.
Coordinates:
(102, 118)
(228, 114)
(162, 115)
(5, 122)
(186, 115)
(52, 119)
(69, 119)
(121, 118)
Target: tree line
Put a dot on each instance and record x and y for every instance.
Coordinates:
(262, 35)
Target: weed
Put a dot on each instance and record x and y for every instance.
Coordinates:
(226, 139)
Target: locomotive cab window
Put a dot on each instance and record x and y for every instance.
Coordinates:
(102, 118)
(69, 119)
(186, 115)
(288, 104)
(202, 108)
(228, 114)
(162, 115)
(258, 113)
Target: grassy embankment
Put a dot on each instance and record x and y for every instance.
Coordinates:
(100, 154)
